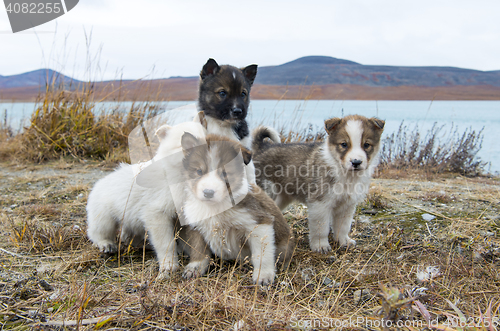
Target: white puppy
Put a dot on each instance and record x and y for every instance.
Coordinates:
(142, 202)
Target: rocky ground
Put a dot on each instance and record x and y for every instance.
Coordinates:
(428, 251)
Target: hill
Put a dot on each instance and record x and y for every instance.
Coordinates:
(312, 77)
(40, 77)
(324, 70)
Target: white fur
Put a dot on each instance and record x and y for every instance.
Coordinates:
(227, 230)
(118, 198)
(337, 211)
(220, 128)
(355, 131)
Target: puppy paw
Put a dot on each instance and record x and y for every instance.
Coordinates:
(263, 278)
(108, 247)
(166, 270)
(347, 242)
(323, 249)
(194, 269)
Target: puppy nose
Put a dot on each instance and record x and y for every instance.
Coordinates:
(209, 194)
(356, 163)
(237, 111)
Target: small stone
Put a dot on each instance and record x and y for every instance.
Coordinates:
(50, 310)
(307, 274)
(45, 285)
(331, 259)
(370, 212)
(428, 217)
(12, 206)
(428, 273)
(239, 325)
(365, 219)
(361, 296)
(328, 282)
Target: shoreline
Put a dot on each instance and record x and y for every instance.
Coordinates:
(186, 89)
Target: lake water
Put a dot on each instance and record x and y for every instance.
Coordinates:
(301, 114)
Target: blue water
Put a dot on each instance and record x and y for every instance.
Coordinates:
(297, 114)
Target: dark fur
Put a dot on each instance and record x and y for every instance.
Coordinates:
(230, 106)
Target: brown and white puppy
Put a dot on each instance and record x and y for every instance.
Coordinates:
(223, 211)
(331, 177)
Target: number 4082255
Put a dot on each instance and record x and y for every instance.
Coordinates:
(34, 8)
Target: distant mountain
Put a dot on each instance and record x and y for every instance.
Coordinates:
(312, 77)
(324, 70)
(40, 77)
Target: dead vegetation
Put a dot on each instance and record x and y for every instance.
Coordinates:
(432, 274)
(403, 270)
(69, 124)
(438, 151)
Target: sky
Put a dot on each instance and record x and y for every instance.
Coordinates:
(109, 39)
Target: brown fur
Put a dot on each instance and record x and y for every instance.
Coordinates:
(337, 134)
(330, 177)
(256, 202)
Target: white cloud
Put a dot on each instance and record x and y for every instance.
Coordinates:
(176, 37)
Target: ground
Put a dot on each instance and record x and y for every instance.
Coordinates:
(428, 250)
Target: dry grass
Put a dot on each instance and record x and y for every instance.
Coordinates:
(438, 151)
(68, 124)
(50, 272)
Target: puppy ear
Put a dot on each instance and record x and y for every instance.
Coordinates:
(247, 155)
(378, 123)
(162, 131)
(250, 72)
(210, 68)
(188, 141)
(331, 124)
(200, 118)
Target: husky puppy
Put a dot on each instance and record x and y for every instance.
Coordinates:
(331, 177)
(119, 198)
(224, 97)
(234, 218)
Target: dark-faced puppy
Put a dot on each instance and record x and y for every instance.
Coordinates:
(224, 97)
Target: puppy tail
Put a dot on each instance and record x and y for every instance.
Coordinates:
(260, 134)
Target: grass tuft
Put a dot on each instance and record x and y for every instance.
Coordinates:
(438, 151)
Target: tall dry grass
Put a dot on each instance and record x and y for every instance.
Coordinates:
(68, 123)
(438, 151)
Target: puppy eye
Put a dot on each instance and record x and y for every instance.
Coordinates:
(343, 145)
(222, 94)
(199, 172)
(366, 145)
(243, 94)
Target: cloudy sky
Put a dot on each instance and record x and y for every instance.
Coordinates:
(163, 38)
